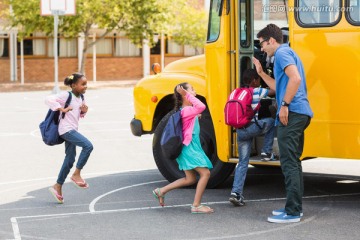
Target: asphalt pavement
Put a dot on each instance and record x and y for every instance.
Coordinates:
(121, 173)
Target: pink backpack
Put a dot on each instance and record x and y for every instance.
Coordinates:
(238, 110)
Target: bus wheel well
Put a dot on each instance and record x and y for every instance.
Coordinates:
(165, 105)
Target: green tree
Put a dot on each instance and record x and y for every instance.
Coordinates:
(135, 17)
(187, 24)
(139, 19)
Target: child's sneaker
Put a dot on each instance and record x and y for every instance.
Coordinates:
(284, 218)
(281, 211)
(265, 156)
(274, 157)
(237, 199)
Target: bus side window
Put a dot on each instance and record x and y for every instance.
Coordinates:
(285, 32)
(317, 13)
(355, 13)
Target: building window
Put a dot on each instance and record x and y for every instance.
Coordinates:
(172, 48)
(35, 45)
(67, 47)
(115, 45)
(39, 45)
(123, 46)
(156, 49)
(191, 51)
(28, 47)
(4, 45)
(104, 47)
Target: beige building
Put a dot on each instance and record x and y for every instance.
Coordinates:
(116, 57)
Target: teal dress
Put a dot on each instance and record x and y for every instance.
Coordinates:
(193, 156)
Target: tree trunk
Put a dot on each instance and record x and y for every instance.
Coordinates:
(83, 58)
(85, 48)
(196, 51)
(88, 45)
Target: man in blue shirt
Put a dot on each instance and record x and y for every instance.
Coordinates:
(293, 117)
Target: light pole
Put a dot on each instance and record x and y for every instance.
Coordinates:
(56, 14)
(56, 8)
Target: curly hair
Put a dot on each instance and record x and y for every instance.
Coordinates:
(271, 30)
(73, 78)
(249, 75)
(177, 96)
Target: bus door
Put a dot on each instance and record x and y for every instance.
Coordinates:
(243, 51)
(252, 16)
(220, 68)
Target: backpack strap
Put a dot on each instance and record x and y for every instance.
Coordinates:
(257, 108)
(67, 103)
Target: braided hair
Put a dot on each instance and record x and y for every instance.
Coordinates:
(73, 78)
(177, 96)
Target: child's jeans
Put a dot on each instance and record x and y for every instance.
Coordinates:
(73, 139)
(244, 139)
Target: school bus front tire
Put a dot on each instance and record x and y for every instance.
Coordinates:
(169, 168)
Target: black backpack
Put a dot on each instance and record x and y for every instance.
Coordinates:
(49, 128)
(172, 136)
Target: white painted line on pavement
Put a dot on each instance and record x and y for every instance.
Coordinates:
(85, 174)
(281, 227)
(15, 228)
(93, 202)
(17, 234)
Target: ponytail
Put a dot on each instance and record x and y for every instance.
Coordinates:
(73, 78)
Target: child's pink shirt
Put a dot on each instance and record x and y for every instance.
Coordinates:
(188, 115)
(71, 119)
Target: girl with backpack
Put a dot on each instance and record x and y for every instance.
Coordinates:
(68, 130)
(192, 158)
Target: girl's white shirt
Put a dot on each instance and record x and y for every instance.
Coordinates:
(71, 119)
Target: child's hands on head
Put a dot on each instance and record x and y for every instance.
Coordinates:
(181, 90)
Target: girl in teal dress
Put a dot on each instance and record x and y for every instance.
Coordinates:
(192, 159)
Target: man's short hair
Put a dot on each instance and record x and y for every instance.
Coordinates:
(271, 30)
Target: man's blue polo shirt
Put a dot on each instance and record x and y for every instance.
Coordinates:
(285, 56)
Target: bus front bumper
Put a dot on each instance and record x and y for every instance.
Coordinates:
(136, 127)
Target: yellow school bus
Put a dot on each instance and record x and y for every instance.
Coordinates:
(326, 36)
